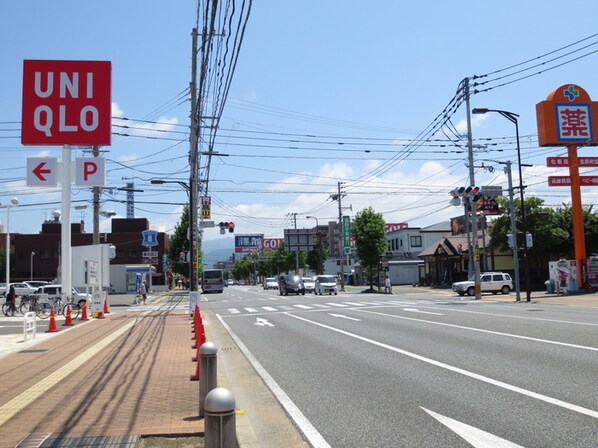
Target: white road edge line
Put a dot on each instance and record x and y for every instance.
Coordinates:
(475, 436)
(485, 379)
(310, 432)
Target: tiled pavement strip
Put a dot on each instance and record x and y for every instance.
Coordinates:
(127, 374)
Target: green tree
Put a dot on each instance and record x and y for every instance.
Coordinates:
(370, 239)
(179, 242)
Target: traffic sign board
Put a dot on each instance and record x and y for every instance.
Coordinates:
(90, 171)
(41, 171)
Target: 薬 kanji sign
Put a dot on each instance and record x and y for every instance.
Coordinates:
(567, 116)
(66, 103)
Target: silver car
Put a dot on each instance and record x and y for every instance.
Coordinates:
(493, 282)
(326, 284)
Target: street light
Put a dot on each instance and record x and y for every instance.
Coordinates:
(32, 255)
(320, 269)
(13, 203)
(512, 117)
(192, 227)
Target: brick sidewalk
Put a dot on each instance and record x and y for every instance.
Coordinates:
(137, 385)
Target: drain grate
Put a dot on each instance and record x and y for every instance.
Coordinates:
(92, 442)
(34, 350)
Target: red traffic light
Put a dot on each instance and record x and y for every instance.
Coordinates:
(231, 227)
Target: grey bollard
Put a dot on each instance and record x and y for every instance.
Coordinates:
(209, 372)
(220, 423)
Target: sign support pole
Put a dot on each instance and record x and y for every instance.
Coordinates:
(576, 205)
(65, 228)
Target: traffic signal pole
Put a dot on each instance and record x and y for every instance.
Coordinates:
(474, 206)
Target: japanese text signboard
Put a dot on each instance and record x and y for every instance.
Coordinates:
(66, 103)
(248, 243)
(567, 116)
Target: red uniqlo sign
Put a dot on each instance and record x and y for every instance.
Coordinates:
(66, 103)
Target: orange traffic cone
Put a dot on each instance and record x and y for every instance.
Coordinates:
(84, 313)
(106, 307)
(69, 320)
(52, 325)
(202, 339)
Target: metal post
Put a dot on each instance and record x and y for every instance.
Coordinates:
(220, 423)
(209, 371)
(66, 269)
(193, 163)
(514, 234)
(31, 275)
(513, 118)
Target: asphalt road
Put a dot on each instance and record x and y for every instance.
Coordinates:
(422, 369)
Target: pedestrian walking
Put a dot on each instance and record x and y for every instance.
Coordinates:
(387, 286)
(143, 292)
(11, 298)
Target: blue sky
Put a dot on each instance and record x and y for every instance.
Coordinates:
(323, 91)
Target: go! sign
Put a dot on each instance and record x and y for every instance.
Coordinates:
(66, 103)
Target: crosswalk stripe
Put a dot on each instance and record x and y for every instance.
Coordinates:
(304, 307)
(251, 310)
(321, 305)
(233, 311)
(340, 305)
(268, 308)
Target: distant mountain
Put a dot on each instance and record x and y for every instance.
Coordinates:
(216, 250)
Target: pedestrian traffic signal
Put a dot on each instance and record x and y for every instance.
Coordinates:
(459, 248)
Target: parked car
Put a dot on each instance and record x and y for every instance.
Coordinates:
(493, 282)
(109, 289)
(325, 284)
(21, 289)
(290, 284)
(309, 283)
(270, 283)
(36, 283)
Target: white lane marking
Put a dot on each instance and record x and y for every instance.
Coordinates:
(263, 322)
(415, 310)
(20, 402)
(233, 311)
(268, 308)
(304, 307)
(310, 432)
(344, 317)
(252, 310)
(473, 435)
(485, 379)
(321, 305)
(340, 305)
(514, 316)
(353, 303)
(481, 330)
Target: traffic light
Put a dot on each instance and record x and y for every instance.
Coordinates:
(459, 248)
(476, 194)
(222, 229)
(184, 257)
(231, 227)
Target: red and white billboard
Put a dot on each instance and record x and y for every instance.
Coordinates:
(66, 103)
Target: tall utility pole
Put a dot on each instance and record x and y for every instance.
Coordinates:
(96, 204)
(297, 251)
(338, 197)
(193, 154)
(474, 212)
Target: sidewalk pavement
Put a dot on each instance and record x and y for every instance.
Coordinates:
(102, 381)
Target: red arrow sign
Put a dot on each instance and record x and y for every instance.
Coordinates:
(39, 171)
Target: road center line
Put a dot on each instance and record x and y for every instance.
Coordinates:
(485, 379)
(479, 330)
(20, 402)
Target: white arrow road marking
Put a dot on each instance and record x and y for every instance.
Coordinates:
(345, 317)
(415, 310)
(475, 436)
(263, 322)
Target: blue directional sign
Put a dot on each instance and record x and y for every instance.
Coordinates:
(150, 238)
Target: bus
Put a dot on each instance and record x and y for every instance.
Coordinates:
(212, 281)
